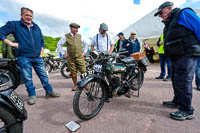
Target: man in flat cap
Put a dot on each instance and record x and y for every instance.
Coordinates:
(182, 46)
(102, 41)
(74, 54)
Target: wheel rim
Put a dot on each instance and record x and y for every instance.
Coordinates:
(137, 82)
(90, 99)
(2, 124)
(7, 79)
(47, 67)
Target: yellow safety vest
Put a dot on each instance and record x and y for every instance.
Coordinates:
(161, 48)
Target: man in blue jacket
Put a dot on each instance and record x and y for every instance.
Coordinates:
(132, 45)
(182, 46)
(29, 43)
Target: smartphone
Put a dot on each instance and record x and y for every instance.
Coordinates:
(72, 126)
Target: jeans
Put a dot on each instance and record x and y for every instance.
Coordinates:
(163, 61)
(197, 72)
(182, 75)
(26, 64)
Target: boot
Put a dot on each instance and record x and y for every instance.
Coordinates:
(74, 79)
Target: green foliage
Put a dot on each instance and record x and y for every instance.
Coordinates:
(0, 46)
(51, 43)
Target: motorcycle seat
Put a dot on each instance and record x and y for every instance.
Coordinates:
(127, 60)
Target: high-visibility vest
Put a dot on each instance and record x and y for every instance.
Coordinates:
(161, 48)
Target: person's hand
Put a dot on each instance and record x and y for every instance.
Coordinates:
(83, 53)
(14, 44)
(66, 55)
(128, 44)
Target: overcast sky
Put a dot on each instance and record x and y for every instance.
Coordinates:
(54, 16)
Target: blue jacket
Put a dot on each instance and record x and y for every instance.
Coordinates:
(133, 47)
(30, 42)
(190, 20)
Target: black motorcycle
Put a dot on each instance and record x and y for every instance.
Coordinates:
(52, 63)
(106, 80)
(9, 67)
(12, 110)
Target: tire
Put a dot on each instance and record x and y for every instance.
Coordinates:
(14, 76)
(95, 92)
(65, 72)
(137, 82)
(7, 117)
(48, 67)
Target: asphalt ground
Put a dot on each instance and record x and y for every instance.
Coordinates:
(121, 115)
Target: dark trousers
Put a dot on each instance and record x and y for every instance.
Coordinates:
(163, 61)
(182, 75)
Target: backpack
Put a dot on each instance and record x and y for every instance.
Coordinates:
(7, 50)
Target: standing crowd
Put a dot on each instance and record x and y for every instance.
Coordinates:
(179, 48)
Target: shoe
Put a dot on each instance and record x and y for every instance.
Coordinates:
(32, 100)
(159, 77)
(198, 88)
(52, 95)
(167, 79)
(170, 104)
(181, 115)
(75, 88)
(128, 95)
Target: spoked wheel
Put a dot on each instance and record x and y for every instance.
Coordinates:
(65, 71)
(89, 100)
(48, 67)
(8, 122)
(137, 82)
(9, 78)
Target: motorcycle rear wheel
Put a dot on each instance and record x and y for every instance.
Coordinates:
(137, 82)
(89, 100)
(7, 117)
(65, 72)
(48, 67)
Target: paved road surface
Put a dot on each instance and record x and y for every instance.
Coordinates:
(122, 115)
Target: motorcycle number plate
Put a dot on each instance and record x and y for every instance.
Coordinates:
(97, 68)
(17, 102)
(85, 74)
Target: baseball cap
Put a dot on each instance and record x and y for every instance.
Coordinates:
(162, 6)
(120, 33)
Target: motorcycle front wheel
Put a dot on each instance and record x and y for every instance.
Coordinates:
(89, 100)
(6, 118)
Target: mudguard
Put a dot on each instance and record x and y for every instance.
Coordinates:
(84, 81)
(7, 104)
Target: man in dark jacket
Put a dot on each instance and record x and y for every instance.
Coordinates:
(119, 43)
(29, 44)
(181, 45)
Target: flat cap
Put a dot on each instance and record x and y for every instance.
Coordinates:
(103, 26)
(162, 6)
(74, 25)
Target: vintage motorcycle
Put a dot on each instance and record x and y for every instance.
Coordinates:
(106, 80)
(9, 67)
(12, 110)
(52, 63)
